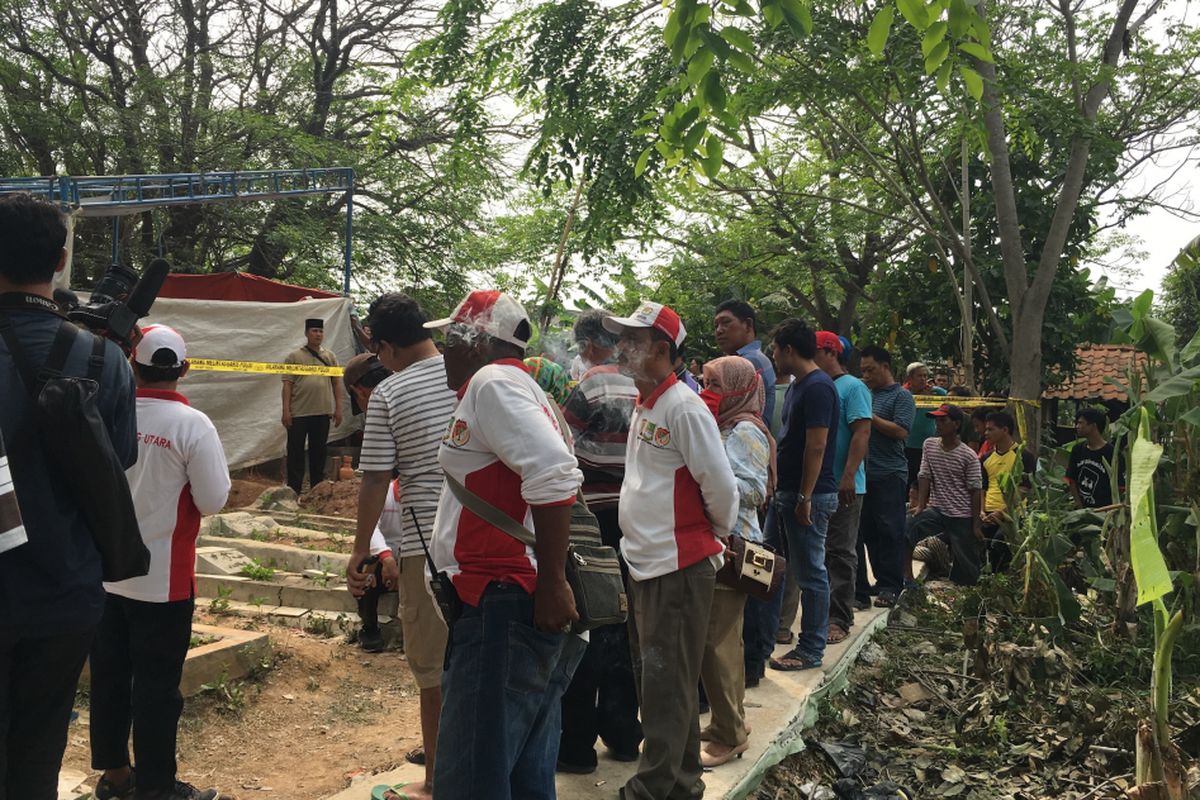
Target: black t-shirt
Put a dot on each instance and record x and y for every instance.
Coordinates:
(1091, 477)
(811, 402)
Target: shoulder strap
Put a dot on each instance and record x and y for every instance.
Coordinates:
(24, 369)
(317, 356)
(60, 351)
(96, 359)
(56, 361)
(488, 512)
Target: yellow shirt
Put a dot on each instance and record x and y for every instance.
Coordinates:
(996, 465)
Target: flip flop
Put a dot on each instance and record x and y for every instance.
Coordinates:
(416, 756)
(798, 662)
(837, 634)
(380, 792)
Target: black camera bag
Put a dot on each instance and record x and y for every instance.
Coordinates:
(67, 425)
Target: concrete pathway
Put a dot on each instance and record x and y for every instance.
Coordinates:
(777, 711)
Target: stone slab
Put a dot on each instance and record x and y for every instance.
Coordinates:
(283, 556)
(218, 560)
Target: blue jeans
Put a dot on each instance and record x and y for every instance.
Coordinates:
(502, 701)
(806, 560)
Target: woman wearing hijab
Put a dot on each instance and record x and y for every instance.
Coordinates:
(733, 391)
(550, 375)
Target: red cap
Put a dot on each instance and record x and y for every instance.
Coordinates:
(828, 340)
(947, 410)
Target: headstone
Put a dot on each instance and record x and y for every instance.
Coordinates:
(277, 498)
(220, 561)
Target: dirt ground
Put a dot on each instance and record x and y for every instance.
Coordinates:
(332, 498)
(247, 487)
(321, 713)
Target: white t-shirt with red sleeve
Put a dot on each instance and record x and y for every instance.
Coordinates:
(679, 494)
(180, 474)
(504, 444)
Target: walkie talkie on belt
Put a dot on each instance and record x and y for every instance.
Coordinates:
(444, 593)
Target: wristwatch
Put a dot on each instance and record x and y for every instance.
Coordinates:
(801, 497)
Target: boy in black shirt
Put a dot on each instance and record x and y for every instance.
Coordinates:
(1089, 472)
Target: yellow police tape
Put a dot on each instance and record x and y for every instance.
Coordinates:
(935, 400)
(263, 367)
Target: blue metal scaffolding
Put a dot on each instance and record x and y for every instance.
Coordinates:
(118, 195)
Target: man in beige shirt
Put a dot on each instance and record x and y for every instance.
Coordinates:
(308, 403)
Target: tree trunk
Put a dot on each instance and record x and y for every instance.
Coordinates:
(1025, 368)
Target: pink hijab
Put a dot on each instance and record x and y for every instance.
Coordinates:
(742, 399)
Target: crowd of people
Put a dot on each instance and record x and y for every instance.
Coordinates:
(775, 442)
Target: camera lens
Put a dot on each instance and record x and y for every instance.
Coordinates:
(114, 285)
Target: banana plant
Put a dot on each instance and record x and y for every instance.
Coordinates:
(1160, 772)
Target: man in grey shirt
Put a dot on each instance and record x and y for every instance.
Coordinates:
(881, 527)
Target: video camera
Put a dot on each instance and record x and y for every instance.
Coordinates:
(119, 300)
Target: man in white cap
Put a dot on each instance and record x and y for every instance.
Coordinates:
(138, 654)
(511, 654)
(678, 501)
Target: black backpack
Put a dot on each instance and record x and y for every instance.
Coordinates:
(67, 424)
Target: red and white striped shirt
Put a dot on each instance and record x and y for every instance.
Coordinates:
(504, 444)
(180, 474)
(679, 493)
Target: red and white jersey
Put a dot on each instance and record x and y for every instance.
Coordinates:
(679, 493)
(180, 474)
(504, 444)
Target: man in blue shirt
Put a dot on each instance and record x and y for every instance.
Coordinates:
(853, 435)
(735, 328)
(806, 489)
(881, 529)
(51, 596)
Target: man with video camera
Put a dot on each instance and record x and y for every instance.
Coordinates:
(51, 597)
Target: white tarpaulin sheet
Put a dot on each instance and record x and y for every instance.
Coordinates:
(247, 407)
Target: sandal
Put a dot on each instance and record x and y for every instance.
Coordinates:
(836, 635)
(785, 637)
(416, 756)
(885, 600)
(385, 792)
(795, 661)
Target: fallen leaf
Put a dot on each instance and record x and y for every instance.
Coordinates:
(914, 693)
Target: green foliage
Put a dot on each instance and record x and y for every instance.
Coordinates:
(1181, 292)
(220, 604)
(100, 87)
(256, 570)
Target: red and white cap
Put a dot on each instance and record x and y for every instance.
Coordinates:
(156, 338)
(650, 315)
(494, 313)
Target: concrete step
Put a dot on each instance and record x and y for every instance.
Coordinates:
(283, 556)
(289, 589)
(326, 623)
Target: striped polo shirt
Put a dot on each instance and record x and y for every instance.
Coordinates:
(953, 474)
(406, 418)
(598, 411)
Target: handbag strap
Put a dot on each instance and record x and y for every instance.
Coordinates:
(488, 512)
(494, 516)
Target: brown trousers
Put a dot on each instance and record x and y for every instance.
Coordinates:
(723, 670)
(668, 624)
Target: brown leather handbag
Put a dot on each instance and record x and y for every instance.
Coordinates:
(755, 568)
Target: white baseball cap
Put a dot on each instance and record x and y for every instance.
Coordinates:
(155, 339)
(494, 313)
(650, 315)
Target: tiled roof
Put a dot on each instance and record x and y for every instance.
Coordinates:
(1095, 363)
